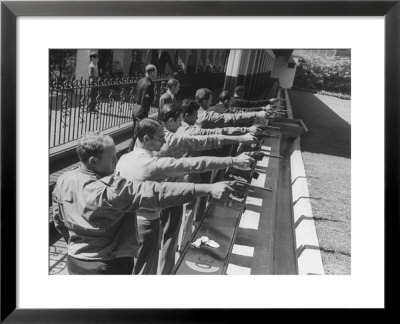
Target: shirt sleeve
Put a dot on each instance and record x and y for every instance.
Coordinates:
(243, 103)
(171, 167)
(178, 144)
(130, 195)
(233, 130)
(212, 119)
(195, 131)
(244, 110)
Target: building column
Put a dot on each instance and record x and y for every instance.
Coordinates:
(218, 59)
(232, 69)
(244, 79)
(283, 72)
(249, 68)
(197, 60)
(123, 57)
(214, 60)
(185, 59)
(171, 54)
(82, 64)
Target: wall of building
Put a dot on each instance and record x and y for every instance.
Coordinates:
(123, 57)
(82, 63)
(284, 73)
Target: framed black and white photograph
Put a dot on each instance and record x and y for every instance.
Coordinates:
(202, 154)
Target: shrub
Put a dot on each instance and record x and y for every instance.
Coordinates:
(331, 74)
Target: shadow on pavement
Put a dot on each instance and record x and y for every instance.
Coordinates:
(328, 133)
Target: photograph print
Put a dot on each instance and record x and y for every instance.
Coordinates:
(199, 161)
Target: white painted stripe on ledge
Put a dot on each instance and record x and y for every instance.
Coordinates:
(254, 201)
(305, 233)
(264, 162)
(310, 260)
(260, 181)
(250, 219)
(309, 263)
(237, 270)
(265, 148)
(243, 250)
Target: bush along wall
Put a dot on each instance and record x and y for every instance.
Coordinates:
(329, 75)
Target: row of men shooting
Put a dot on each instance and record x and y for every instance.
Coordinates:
(115, 215)
(145, 97)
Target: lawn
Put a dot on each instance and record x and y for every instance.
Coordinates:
(326, 152)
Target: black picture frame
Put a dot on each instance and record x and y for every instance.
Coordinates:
(10, 10)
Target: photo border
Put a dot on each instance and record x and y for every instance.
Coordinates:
(9, 13)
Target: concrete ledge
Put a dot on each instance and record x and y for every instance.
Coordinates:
(308, 254)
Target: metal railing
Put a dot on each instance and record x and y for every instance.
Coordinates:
(71, 102)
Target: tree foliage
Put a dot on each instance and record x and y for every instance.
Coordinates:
(331, 74)
(62, 64)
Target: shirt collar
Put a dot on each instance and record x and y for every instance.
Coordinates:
(142, 151)
(93, 173)
(86, 171)
(167, 132)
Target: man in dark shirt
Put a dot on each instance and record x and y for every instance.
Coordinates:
(224, 104)
(239, 102)
(144, 98)
(144, 95)
(170, 95)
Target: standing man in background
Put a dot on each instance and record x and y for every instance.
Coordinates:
(93, 72)
(144, 98)
(169, 96)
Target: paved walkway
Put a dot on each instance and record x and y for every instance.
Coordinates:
(326, 152)
(58, 258)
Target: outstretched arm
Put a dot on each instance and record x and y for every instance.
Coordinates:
(128, 195)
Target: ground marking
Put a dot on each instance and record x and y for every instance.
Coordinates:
(250, 219)
(237, 270)
(264, 162)
(260, 181)
(254, 201)
(243, 250)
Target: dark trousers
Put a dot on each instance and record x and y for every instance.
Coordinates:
(139, 112)
(133, 141)
(205, 177)
(119, 266)
(92, 101)
(149, 237)
(171, 220)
